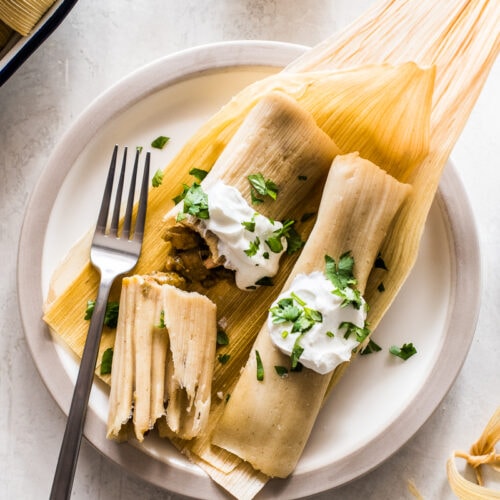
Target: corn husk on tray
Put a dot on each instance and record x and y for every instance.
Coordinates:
(22, 15)
(419, 67)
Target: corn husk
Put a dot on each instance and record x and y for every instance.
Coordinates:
(482, 453)
(22, 15)
(458, 37)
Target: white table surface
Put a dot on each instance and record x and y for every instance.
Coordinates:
(101, 42)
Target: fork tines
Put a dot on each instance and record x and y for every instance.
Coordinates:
(102, 221)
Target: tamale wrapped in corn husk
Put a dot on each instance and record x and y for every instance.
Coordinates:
(267, 422)
(459, 38)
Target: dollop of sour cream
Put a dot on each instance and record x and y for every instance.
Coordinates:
(324, 345)
(242, 233)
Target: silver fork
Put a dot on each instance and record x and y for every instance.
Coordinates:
(113, 255)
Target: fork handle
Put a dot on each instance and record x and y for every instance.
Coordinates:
(70, 447)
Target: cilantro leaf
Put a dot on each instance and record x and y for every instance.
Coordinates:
(223, 358)
(107, 361)
(161, 324)
(265, 281)
(180, 197)
(195, 201)
(261, 186)
(341, 274)
(222, 338)
(282, 371)
(371, 348)
(249, 225)
(404, 352)
(159, 142)
(285, 311)
(253, 248)
(297, 351)
(199, 173)
(260, 367)
(157, 178)
(110, 315)
(351, 329)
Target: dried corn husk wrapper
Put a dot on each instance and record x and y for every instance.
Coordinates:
(22, 15)
(396, 52)
(482, 453)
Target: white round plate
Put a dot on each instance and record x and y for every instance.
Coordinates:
(436, 309)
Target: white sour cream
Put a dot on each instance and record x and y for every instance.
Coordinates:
(227, 210)
(322, 352)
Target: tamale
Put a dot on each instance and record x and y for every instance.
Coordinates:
(267, 422)
(164, 350)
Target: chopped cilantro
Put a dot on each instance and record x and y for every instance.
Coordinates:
(195, 202)
(261, 186)
(223, 358)
(351, 329)
(253, 248)
(249, 225)
(342, 277)
(110, 316)
(294, 241)
(330, 334)
(282, 371)
(288, 232)
(404, 352)
(371, 348)
(139, 149)
(222, 338)
(260, 367)
(159, 142)
(265, 281)
(161, 324)
(297, 351)
(285, 311)
(180, 197)
(295, 311)
(157, 178)
(274, 244)
(107, 361)
(199, 173)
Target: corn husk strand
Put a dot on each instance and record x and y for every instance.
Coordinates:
(482, 453)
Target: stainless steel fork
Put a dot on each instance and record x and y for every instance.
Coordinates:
(113, 254)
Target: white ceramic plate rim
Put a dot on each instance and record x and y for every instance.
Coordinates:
(464, 303)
